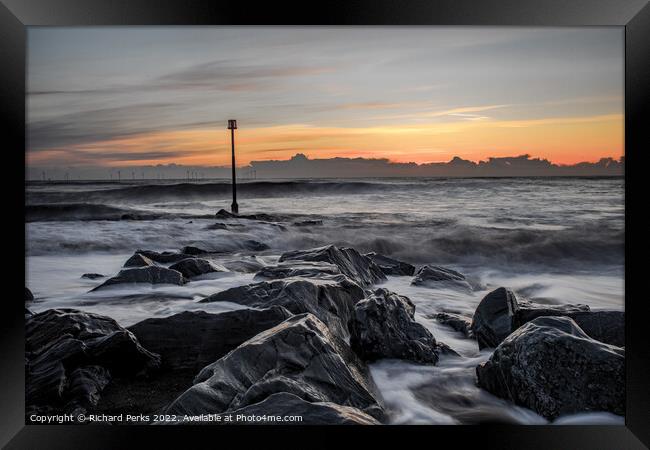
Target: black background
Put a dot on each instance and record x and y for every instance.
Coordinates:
(15, 15)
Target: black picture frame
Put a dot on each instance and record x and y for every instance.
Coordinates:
(634, 15)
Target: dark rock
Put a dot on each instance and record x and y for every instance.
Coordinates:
(150, 274)
(217, 226)
(92, 276)
(383, 327)
(350, 262)
(247, 264)
(391, 266)
(458, 322)
(317, 413)
(164, 257)
(494, 318)
(28, 313)
(499, 314)
(194, 339)
(223, 214)
(29, 297)
(247, 244)
(300, 356)
(332, 301)
(308, 223)
(71, 355)
(604, 326)
(298, 269)
(438, 277)
(139, 260)
(552, 367)
(193, 267)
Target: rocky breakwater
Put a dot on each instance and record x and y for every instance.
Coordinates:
(300, 356)
(500, 313)
(70, 357)
(553, 367)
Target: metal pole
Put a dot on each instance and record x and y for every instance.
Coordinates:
(234, 207)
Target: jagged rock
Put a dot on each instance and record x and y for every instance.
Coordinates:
(499, 314)
(150, 274)
(391, 266)
(193, 267)
(194, 339)
(552, 367)
(300, 356)
(247, 264)
(223, 214)
(458, 322)
(92, 276)
(318, 413)
(71, 355)
(435, 276)
(164, 257)
(139, 260)
(383, 326)
(29, 297)
(298, 269)
(331, 301)
(350, 262)
(247, 244)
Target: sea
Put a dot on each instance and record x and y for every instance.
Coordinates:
(551, 240)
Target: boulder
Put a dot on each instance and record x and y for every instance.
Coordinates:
(71, 356)
(317, 413)
(349, 261)
(92, 276)
(391, 266)
(494, 318)
(138, 260)
(247, 264)
(162, 257)
(298, 269)
(29, 297)
(300, 356)
(440, 277)
(194, 339)
(552, 367)
(193, 267)
(246, 244)
(149, 274)
(383, 326)
(499, 314)
(458, 322)
(332, 301)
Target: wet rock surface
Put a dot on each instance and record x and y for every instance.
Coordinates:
(300, 356)
(71, 356)
(194, 267)
(349, 261)
(138, 260)
(552, 367)
(383, 326)
(458, 322)
(391, 266)
(163, 257)
(436, 276)
(317, 413)
(500, 313)
(93, 276)
(149, 274)
(194, 339)
(298, 269)
(331, 301)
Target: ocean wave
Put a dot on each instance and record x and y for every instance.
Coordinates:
(82, 212)
(198, 191)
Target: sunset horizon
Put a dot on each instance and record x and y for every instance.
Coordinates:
(419, 96)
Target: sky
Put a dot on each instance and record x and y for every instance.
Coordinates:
(133, 96)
